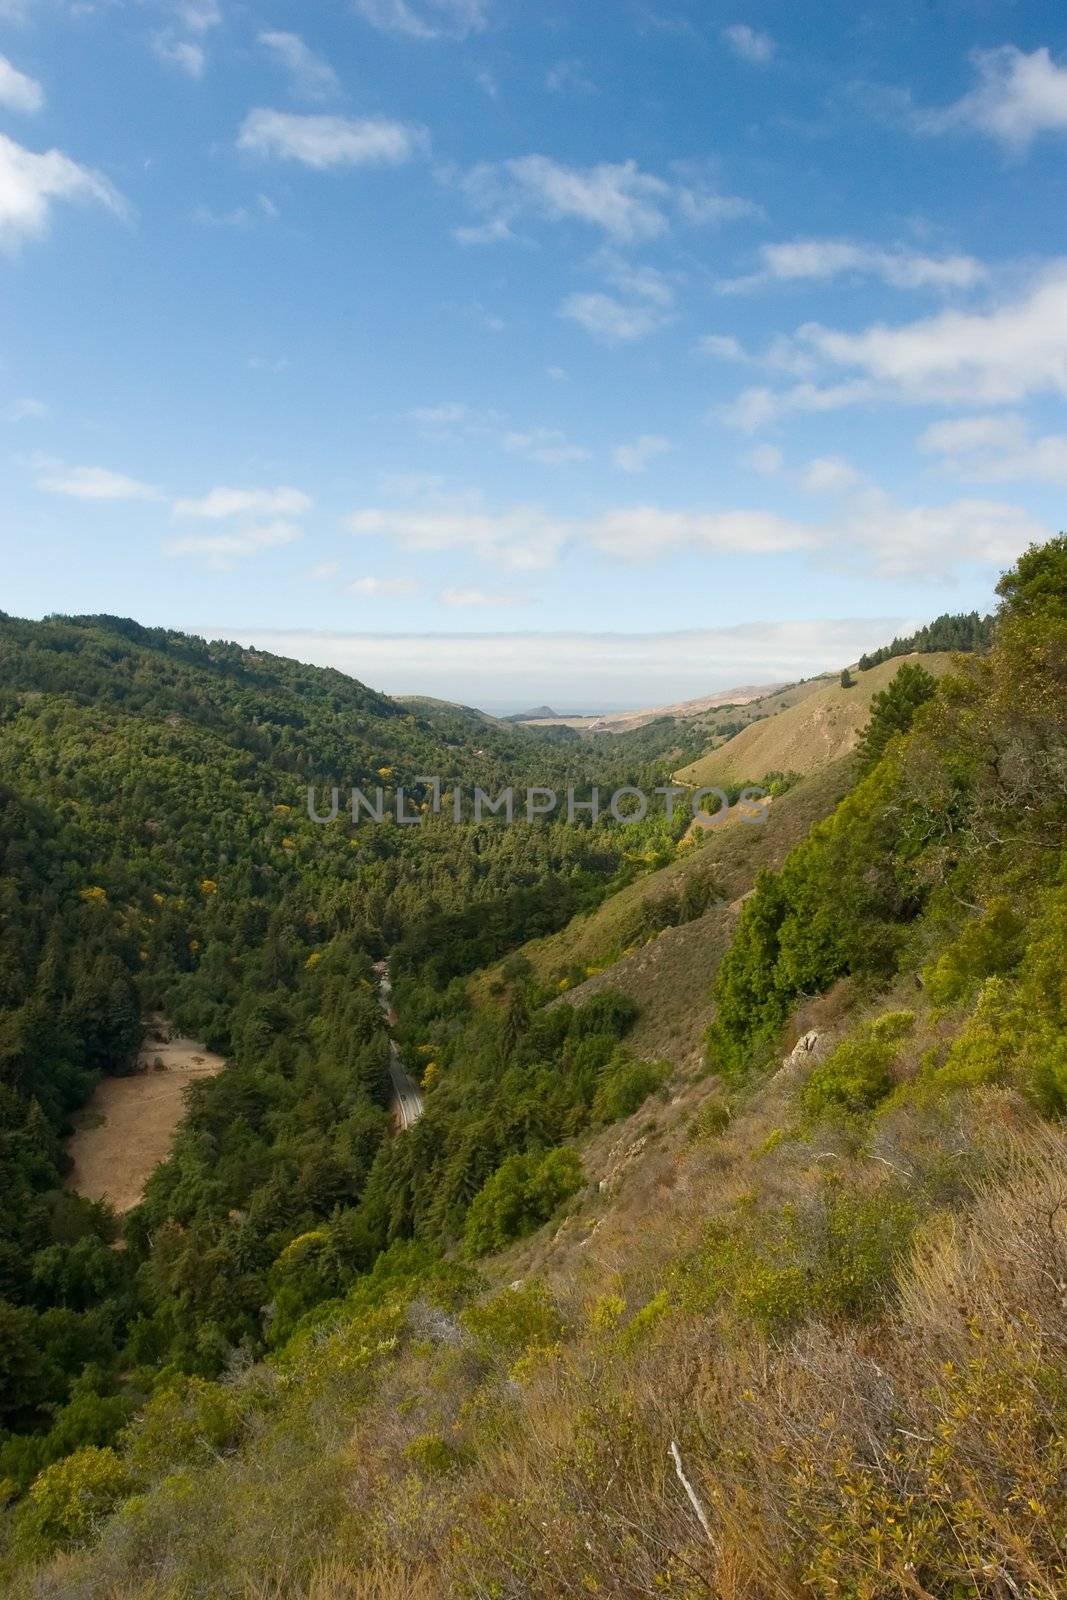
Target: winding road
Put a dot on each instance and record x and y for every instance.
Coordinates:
(407, 1101)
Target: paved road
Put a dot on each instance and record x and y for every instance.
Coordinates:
(407, 1101)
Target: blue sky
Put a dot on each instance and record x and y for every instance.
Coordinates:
(604, 352)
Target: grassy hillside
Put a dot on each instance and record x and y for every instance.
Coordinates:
(822, 726)
(660, 939)
(796, 1329)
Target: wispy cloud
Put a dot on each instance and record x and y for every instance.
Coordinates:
(1017, 96)
(312, 76)
(997, 449)
(611, 320)
(185, 54)
(548, 446)
(569, 77)
(222, 551)
(830, 475)
(996, 356)
(226, 502)
(627, 204)
(17, 91)
(877, 533)
(24, 409)
(371, 588)
(329, 141)
(818, 260)
(639, 453)
(31, 183)
(749, 43)
(91, 483)
(430, 19)
(524, 538)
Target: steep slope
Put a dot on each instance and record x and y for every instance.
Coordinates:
(660, 939)
(821, 728)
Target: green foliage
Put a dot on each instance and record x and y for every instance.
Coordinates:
(833, 1257)
(858, 1073)
(893, 711)
(69, 1499)
(960, 632)
(520, 1195)
(514, 1321)
(625, 1084)
(993, 943)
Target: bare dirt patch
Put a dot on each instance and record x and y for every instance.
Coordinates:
(127, 1127)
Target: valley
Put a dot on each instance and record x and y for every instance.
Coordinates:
(520, 1164)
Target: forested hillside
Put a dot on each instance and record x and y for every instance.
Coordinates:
(788, 1321)
(157, 855)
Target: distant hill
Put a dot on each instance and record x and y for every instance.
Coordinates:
(807, 735)
(626, 721)
(538, 714)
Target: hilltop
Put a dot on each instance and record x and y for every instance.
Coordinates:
(821, 727)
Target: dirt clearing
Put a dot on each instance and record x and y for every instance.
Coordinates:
(126, 1129)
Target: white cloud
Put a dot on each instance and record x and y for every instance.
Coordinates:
(525, 538)
(765, 459)
(323, 570)
(92, 483)
(624, 202)
(815, 260)
(382, 588)
(184, 54)
(830, 475)
(866, 529)
(432, 19)
(991, 357)
(723, 347)
(755, 408)
(569, 77)
(612, 320)
(327, 141)
(312, 76)
(749, 43)
(222, 551)
(1017, 97)
(997, 449)
(547, 446)
(198, 15)
(636, 456)
(17, 91)
(30, 183)
(459, 597)
(24, 409)
(935, 541)
(588, 670)
(226, 502)
(640, 533)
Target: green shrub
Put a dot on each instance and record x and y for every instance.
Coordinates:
(515, 1320)
(711, 1119)
(521, 1194)
(992, 944)
(856, 1075)
(626, 1084)
(69, 1499)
